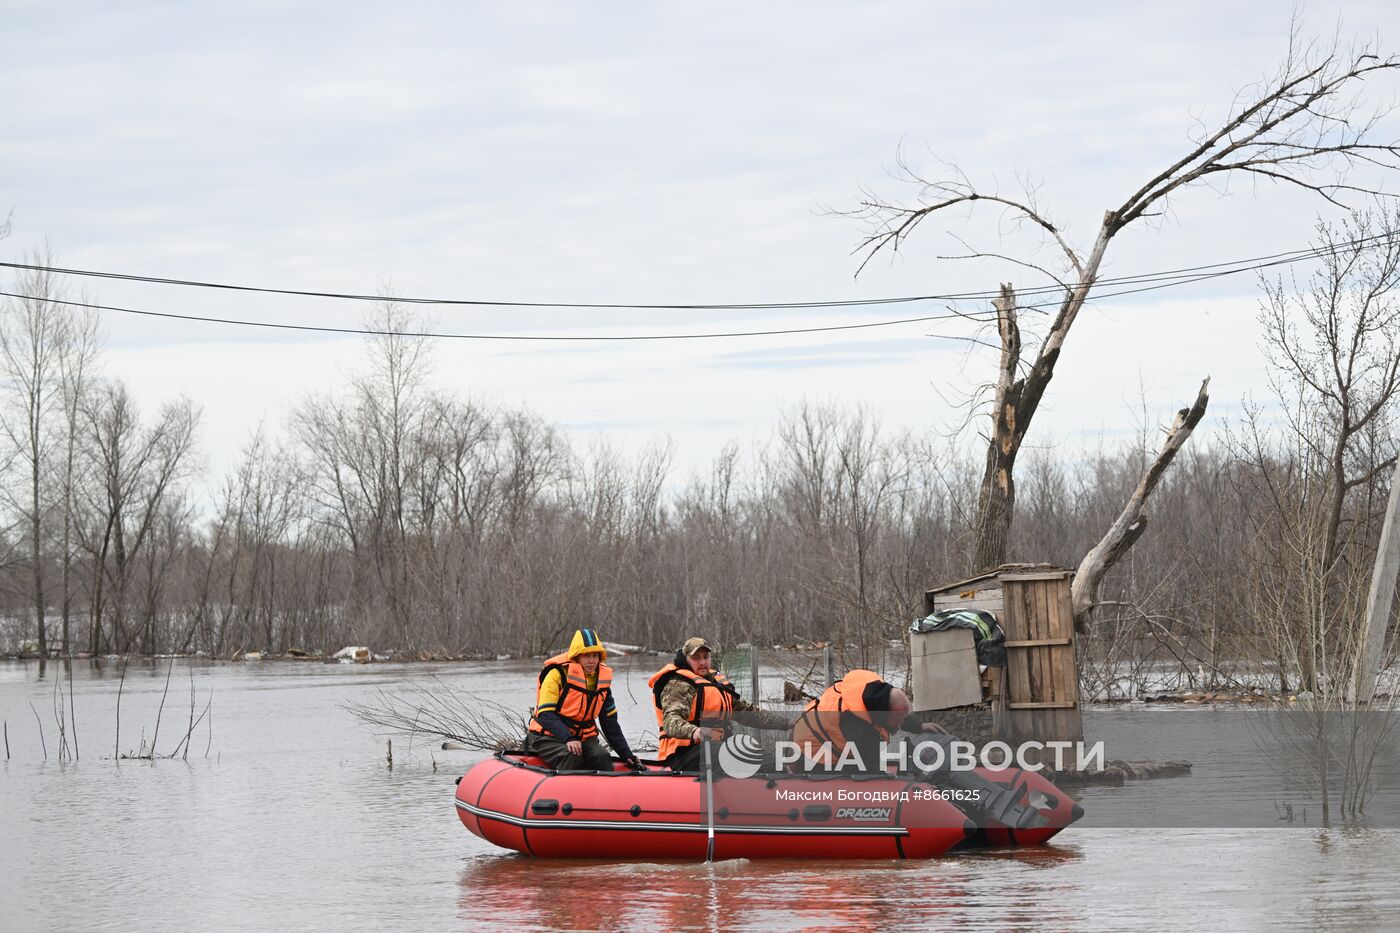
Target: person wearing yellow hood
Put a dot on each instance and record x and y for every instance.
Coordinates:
(574, 700)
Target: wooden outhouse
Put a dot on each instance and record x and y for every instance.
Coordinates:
(1036, 696)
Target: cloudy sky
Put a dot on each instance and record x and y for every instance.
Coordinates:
(635, 153)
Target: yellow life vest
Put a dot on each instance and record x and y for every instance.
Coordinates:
(578, 706)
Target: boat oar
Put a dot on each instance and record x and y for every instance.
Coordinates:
(709, 805)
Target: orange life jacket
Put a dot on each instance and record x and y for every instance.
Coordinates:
(713, 700)
(820, 722)
(578, 706)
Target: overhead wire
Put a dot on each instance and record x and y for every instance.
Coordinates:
(362, 331)
(1148, 282)
(1245, 265)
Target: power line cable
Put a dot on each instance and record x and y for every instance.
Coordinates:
(983, 317)
(1243, 264)
(361, 332)
(1155, 281)
(1191, 279)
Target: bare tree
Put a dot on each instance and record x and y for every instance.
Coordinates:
(1337, 345)
(76, 366)
(261, 500)
(1304, 126)
(134, 472)
(868, 472)
(364, 456)
(1335, 353)
(34, 332)
(446, 490)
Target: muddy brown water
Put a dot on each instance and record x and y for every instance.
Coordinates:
(293, 821)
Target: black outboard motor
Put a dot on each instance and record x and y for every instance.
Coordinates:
(1008, 804)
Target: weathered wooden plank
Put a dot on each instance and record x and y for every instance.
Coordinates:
(1045, 704)
(1017, 675)
(1054, 653)
(1045, 672)
(1029, 625)
(1071, 724)
(1037, 575)
(1052, 610)
(1049, 628)
(1017, 664)
(998, 699)
(990, 589)
(1017, 678)
(1037, 642)
(1064, 613)
(1055, 660)
(992, 604)
(981, 580)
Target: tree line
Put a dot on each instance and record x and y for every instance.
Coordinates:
(390, 514)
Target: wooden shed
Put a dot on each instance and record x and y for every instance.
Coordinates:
(1036, 696)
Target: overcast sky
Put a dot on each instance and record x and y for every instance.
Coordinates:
(640, 153)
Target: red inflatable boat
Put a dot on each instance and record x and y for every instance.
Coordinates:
(513, 801)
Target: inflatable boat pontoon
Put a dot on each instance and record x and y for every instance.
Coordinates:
(514, 801)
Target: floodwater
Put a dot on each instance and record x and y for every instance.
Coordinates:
(292, 820)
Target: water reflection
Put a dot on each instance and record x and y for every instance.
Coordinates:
(776, 895)
(1038, 858)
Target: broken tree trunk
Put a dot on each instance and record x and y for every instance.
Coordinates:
(1017, 399)
(1132, 522)
(997, 497)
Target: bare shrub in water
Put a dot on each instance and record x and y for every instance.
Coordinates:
(441, 711)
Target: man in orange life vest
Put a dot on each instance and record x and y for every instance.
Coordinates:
(575, 697)
(693, 704)
(861, 710)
